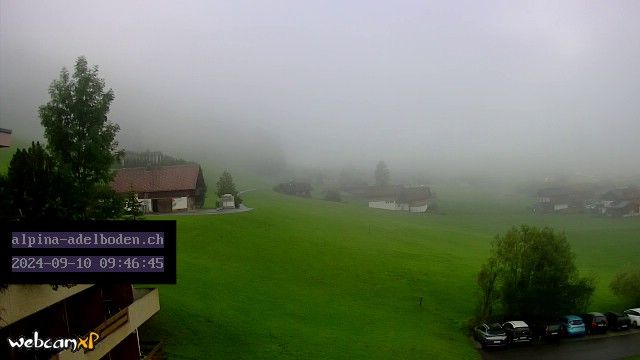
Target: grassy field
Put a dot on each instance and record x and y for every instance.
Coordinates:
(304, 278)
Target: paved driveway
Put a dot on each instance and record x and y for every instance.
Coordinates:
(613, 346)
(240, 209)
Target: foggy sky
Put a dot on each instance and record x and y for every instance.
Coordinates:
(458, 83)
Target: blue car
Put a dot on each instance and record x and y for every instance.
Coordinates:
(572, 325)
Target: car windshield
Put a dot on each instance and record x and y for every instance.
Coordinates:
(599, 319)
(495, 330)
(575, 322)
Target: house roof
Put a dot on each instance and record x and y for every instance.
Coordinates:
(155, 179)
(414, 194)
(399, 193)
(390, 191)
(6, 131)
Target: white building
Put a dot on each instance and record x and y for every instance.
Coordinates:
(227, 201)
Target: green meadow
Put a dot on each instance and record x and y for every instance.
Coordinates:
(305, 278)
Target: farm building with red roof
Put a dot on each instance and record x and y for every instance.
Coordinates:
(163, 188)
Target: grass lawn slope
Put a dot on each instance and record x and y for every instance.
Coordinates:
(303, 278)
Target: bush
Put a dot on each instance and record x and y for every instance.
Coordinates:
(626, 286)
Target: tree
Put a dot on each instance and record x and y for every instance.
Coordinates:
(382, 174)
(225, 185)
(625, 286)
(81, 139)
(34, 187)
(531, 274)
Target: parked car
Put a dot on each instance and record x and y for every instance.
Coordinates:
(618, 321)
(634, 316)
(572, 325)
(491, 335)
(517, 332)
(547, 330)
(595, 322)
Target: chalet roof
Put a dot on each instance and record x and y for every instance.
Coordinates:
(390, 191)
(155, 179)
(399, 193)
(414, 194)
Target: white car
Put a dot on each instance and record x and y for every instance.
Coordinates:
(634, 316)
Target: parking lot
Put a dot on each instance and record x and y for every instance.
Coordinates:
(612, 345)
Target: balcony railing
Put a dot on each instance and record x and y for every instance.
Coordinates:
(115, 329)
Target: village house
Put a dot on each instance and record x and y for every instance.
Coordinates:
(163, 188)
(564, 199)
(399, 198)
(5, 138)
(621, 202)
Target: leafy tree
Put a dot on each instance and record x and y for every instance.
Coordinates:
(531, 274)
(382, 174)
(225, 185)
(34, 187)
(487, 280)
(625, 286)
(81, 139)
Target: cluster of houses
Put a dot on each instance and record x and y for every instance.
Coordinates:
(619, 202)
(180, 186)
(390, 197)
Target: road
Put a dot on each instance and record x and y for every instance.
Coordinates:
(601, 348)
